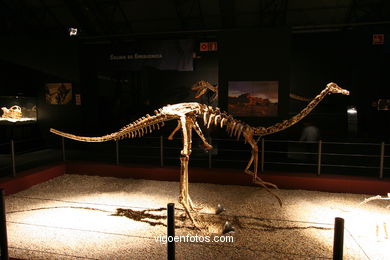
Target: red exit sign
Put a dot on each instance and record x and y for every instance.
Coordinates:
(378, 39)
(208, 46)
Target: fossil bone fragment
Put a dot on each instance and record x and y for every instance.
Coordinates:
(14, 112)
(201, 87)
(186, 115)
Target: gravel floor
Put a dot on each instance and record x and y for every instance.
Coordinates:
(76, 217)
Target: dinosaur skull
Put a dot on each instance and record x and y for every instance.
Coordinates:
(335, 89)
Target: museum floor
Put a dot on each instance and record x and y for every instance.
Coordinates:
(69, 214)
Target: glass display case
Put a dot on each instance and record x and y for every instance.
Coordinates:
(16, 109)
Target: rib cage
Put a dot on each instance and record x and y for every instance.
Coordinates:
(214, 116)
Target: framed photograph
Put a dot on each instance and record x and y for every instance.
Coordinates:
(384, 104)
(58, 93)
(253, 98)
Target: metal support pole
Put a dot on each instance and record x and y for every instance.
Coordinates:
(13, 158)
(210, 153)
(171, 231)
(262, 155)
(3, 228)
(338, 241)
(319, 157)
(161, 151)
(382, 160)
(117, 151)
(63, 148)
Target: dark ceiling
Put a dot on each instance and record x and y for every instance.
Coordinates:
(102, 18)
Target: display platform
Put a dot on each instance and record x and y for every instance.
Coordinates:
(79, 216)
(305, 181)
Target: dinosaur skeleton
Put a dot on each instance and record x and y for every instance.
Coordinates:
(186, 114)
(14, 112)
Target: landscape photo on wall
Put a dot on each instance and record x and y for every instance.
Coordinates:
(253, 98)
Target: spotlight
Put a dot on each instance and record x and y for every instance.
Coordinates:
(352, 110)
(228, 228)
(72, 31)
(219, 210)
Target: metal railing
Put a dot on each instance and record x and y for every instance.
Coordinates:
(20, 155)
(274, 155)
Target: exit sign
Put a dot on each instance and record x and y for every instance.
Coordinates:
(378, 39)
(208, 46)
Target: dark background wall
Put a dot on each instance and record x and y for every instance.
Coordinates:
(115, 95)
(350, 59)
(26, 65)
(303, 63)
(256, 55)
(56, 57)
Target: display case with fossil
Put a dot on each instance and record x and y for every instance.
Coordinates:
(18, 109)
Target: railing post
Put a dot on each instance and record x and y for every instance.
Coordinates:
(319, 157)
(13, 158)
(63, 148)
(382, 160)
(338, 241)
(262, 155)
(117, 151)
(3, 228)
(210, 153)
(171, 231)
(161, 151)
